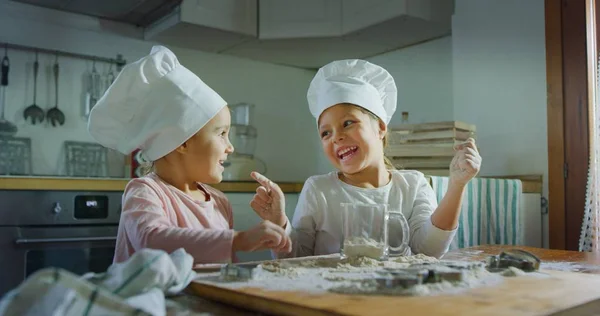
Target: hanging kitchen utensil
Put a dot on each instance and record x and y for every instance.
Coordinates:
(94, 86)
(54, 115)
(34, 112)
(108, 79)
(6, 128)
(87, 94)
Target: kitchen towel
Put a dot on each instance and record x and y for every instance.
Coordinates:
(490, 212)
(137, 286)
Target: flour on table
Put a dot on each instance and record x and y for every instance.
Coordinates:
(356, 275)
(418, 258)
(569, 266)
(512, 271)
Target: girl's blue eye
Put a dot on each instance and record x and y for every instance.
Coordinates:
(346, 123)
(324, 134)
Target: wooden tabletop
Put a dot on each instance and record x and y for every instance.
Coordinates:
(481, 252)
(592, 260)
(191, 305)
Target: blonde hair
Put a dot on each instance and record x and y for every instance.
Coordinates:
(147, 168)
(388, 163)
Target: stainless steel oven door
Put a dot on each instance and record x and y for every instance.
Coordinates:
(76, 249)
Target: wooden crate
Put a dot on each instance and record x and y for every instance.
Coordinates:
(427, 147)
(431, 133)
(421, 162)
(433, 172)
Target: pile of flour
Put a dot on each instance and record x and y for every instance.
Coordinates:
(472, 278)
(355, 275)
(363, 247)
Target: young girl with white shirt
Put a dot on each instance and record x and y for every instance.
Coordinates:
(353, 102)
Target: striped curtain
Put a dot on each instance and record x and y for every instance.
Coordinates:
(490, 212)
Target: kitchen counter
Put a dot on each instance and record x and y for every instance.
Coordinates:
(115, 184)
(531, 184)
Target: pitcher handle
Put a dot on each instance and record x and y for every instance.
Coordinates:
(402, 249)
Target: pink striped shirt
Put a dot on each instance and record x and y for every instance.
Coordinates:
(157, 215)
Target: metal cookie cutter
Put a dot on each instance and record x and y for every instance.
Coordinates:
(238, 272)
(438, 273)
(450, 275)
(462, 265)
(418, 274)
(400, 278)
(517, 258)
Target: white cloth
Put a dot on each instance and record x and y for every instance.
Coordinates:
(155, 105)
(317, 221)
(134, 287)
(589, 239)
(354, 81)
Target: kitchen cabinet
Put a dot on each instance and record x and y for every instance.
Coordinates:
(238, 16)
(311, 33)
(358, 14)
(210, 26)
(531, 219)
(286, 19)
(299, 19)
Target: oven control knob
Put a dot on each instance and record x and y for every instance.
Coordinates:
(57, 208)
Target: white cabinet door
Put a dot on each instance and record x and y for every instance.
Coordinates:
(531, 217)
(281, 19)
(358, 14)
(238, 16)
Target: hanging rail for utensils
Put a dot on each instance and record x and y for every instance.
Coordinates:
(119, 61)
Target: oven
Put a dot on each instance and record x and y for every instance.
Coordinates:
(72, 230)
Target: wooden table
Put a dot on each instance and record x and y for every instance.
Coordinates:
(191, 305)
(482, 252)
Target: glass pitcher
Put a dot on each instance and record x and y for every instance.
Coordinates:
(366, 231)
(242, 113)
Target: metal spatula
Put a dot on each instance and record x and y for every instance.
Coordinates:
(55, 116)
(34, 112)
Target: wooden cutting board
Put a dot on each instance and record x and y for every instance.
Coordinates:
(515, 296)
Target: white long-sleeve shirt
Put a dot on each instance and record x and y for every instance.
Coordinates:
(317, 222)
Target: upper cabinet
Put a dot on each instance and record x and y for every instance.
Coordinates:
(286, 19)
(302, 33)
(226, 15)
(359, 14)
(311, 33)
(206, 25)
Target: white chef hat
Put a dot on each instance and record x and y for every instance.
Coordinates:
(354, 81)
(155, 104)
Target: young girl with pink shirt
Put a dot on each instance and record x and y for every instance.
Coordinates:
(181, 125)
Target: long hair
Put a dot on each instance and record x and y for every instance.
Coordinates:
(388, 163)
(147, 168)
